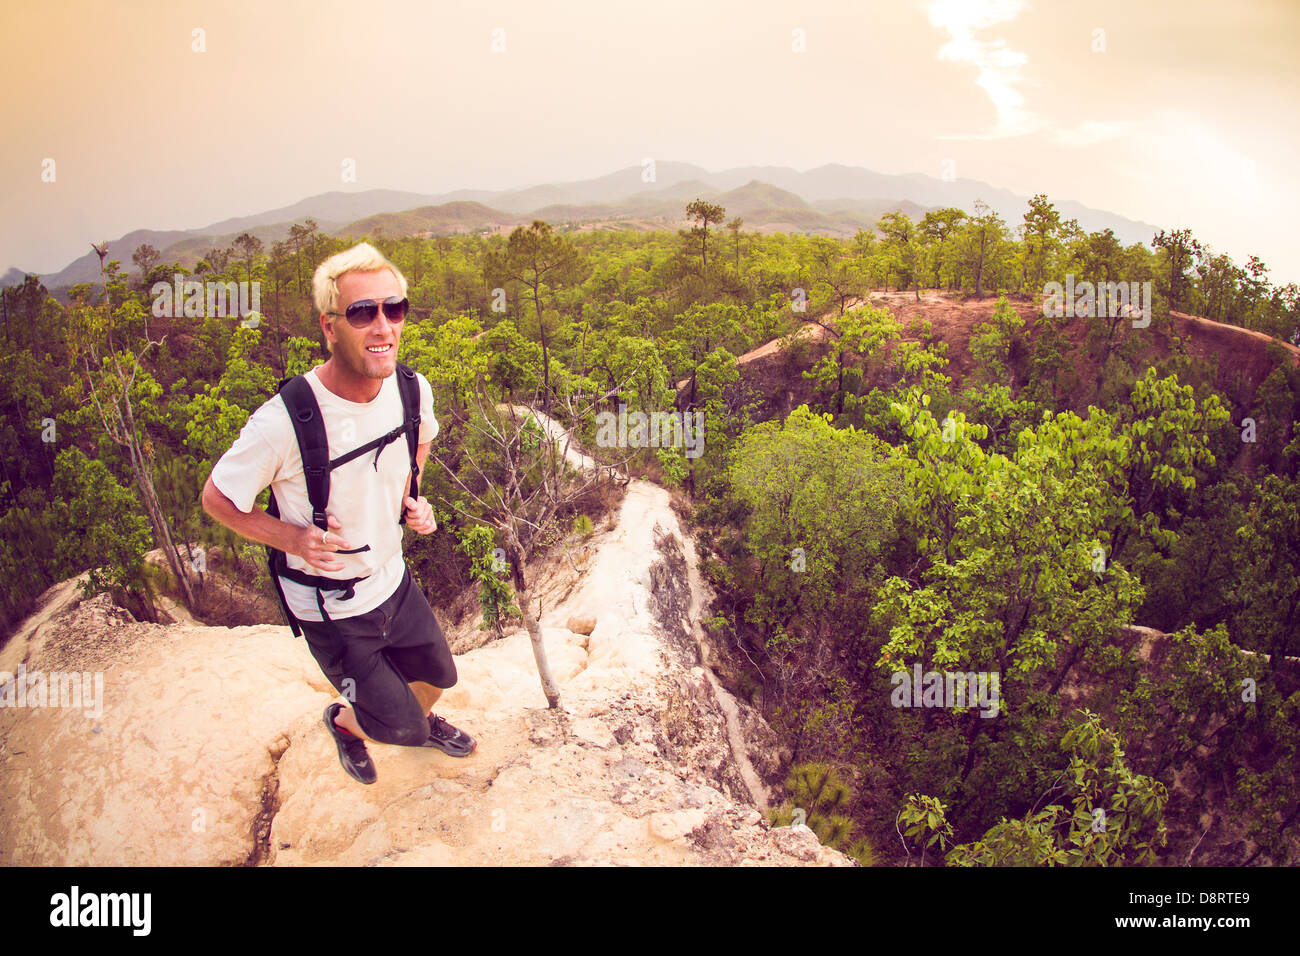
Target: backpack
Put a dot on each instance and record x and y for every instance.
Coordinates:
(309, 427)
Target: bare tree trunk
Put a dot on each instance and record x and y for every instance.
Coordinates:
(546, 360)
(531, 622)
(539, 649)
(124, 434)
(163, 535)
(149, 497)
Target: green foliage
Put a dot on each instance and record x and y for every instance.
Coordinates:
(1266, 595)
(925, 817)
(449, 356)
(1004, 417)
(994, 343)
(302, 356)
(1165, 437)
(1116, 817)
(495, 594)
(1013, 562)
(863, 333)
(820, 799)
(672, 465)
(821, 490)
(100, 528)
(218, 413)
(1051, 373)
(1193, 582)
(29, 539)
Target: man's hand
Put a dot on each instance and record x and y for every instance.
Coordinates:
(316, 547)
(419, 516)
(257, 525)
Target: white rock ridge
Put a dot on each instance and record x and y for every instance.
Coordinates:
(210, 749)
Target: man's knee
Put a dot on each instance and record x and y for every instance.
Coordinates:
(410, 731)
(412, 734)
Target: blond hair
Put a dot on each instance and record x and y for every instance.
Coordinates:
(362, 257)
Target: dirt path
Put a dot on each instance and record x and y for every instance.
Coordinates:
(26, 638)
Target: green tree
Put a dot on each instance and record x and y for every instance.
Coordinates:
(145, 258)
(820, 800)
(939, 226)
(995, 343)
(1042, 222)
(704, 213)
(862, 333)
(117, 385)
(218, 413)
(1266, 596)
(836, 273)
(901, 250)
(1179, 250)
(100, 529)
(984, 243)
(819, 504)
(486, 568)
(1117, 817)
(537, 259)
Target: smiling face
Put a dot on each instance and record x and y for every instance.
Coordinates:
(370, 352)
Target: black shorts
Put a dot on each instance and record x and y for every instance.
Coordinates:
(370, 658)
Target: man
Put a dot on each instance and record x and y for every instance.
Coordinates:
(374, 637)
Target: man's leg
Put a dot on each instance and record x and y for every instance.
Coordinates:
(408, 648)
(347, 719)
(378, 702)
(419, 651)
(426, 694)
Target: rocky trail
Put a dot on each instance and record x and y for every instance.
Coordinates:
(208, 745)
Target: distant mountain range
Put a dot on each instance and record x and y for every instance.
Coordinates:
(832, 200)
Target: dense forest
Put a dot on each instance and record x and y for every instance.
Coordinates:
(1086, 511)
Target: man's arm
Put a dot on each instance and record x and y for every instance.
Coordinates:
(418, 511)
(421, 456)
(257, 525)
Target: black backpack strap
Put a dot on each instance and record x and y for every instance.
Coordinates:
(409, 387)
(313, 446)
(410, 392)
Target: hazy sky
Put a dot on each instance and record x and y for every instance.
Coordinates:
(1176, 112)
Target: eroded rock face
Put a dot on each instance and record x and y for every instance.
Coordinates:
(211, 749)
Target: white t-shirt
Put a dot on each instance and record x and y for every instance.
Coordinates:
(366, 495)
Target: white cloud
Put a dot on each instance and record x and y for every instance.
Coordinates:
(998, 67)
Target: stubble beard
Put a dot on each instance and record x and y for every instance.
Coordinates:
(370, 366)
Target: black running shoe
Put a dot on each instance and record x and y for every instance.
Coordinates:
(352, 749)
(448, 739)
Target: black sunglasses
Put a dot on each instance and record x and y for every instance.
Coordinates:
(362, 312)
